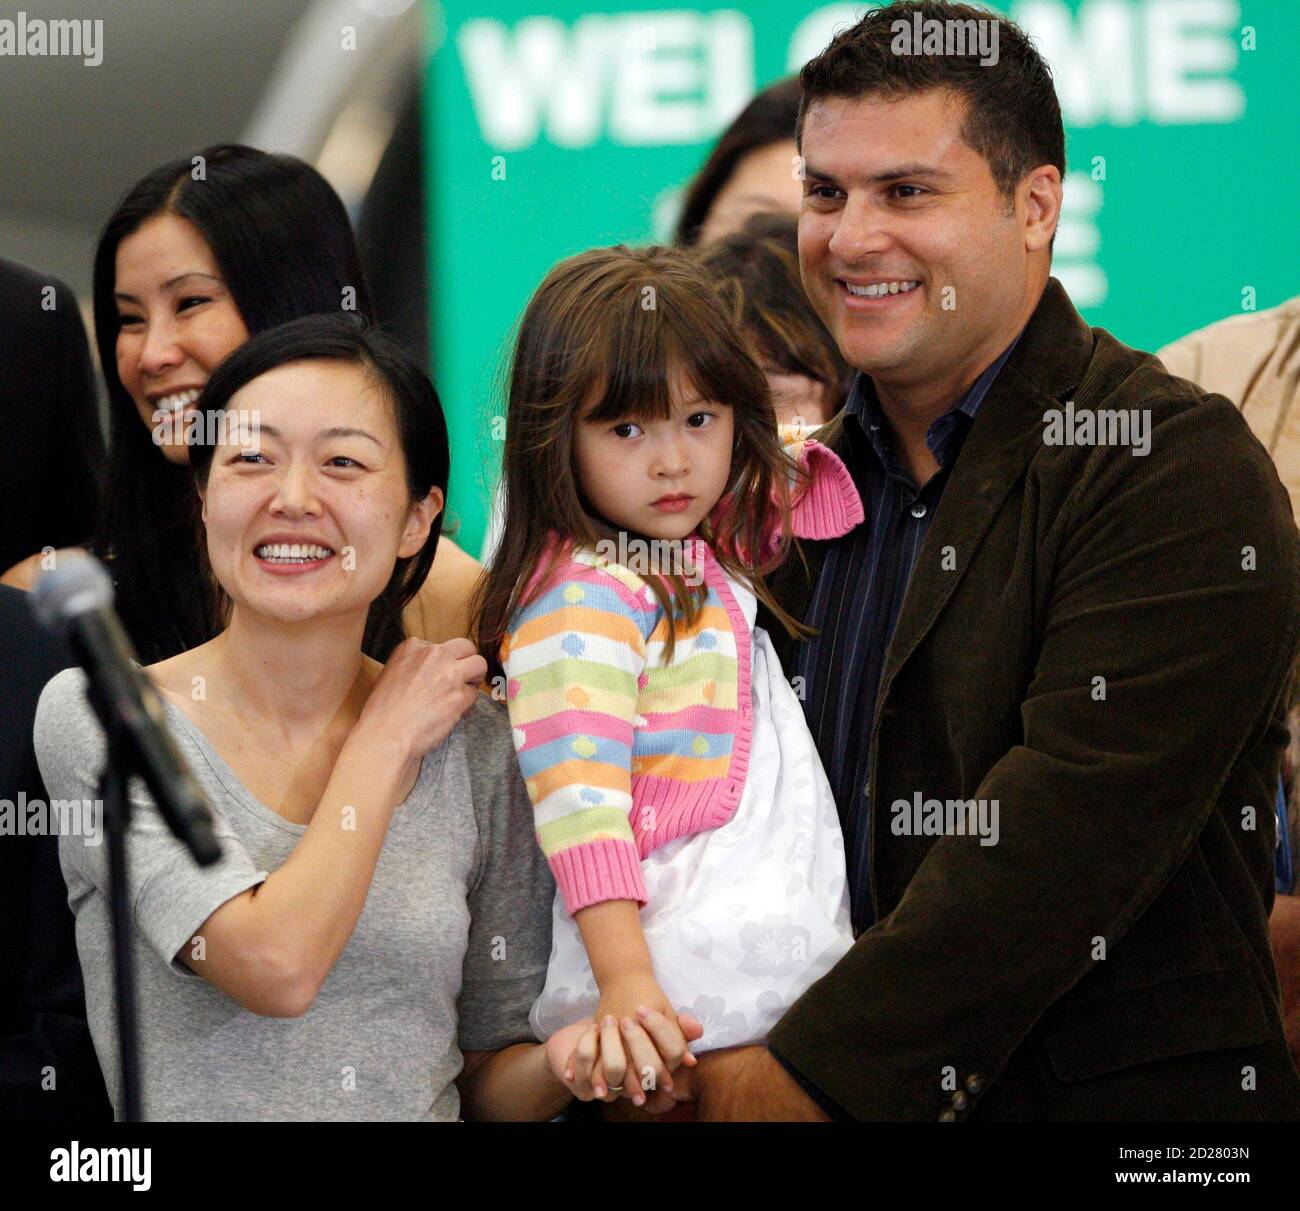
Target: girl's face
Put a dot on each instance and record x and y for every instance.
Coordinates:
(306, 504)
(657, 478)
(177, 322)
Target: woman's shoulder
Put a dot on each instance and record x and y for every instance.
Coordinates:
(64, 696)
(169, 674)
(440, 609)
(488, 748)
(486, 729)
(65, 722)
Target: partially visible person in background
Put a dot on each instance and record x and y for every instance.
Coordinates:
(752, 168)
(202, 253)
(1254, 359)
(48, 1070)
(50, 463)
(757, 273)
(49, 469)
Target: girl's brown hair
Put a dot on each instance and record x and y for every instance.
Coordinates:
(618, 321)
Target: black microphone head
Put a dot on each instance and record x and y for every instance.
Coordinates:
(78, 584)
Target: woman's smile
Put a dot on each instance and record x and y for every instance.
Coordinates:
(283, 558)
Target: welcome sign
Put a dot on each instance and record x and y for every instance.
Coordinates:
(557, 127)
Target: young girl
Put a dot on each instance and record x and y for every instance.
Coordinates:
(676, 789)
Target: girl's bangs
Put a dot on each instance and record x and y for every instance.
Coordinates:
(636, 382)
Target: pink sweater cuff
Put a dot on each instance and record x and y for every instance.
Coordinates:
(597, 871)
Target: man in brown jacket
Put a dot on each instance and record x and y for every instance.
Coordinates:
(1049, 675)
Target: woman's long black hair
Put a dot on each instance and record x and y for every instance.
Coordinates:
(768, 118)
(283, 243)
(421, 428)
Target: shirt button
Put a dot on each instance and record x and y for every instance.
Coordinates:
(918, 510)
(959, 1100)
(974, 1083)
(948, 1116)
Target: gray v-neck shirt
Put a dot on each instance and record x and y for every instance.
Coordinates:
(448, 954)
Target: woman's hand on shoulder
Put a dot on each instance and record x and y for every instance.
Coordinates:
(422, 692)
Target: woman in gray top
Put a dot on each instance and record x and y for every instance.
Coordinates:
(371, 940)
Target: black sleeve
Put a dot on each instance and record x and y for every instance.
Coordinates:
(73, 494)
(48, 1069)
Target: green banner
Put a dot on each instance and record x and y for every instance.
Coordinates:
(553, 128)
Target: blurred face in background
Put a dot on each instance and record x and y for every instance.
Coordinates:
(764, 180)
(177, 322)
(798, 399)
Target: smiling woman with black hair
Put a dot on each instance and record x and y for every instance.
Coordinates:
(378, 926)
(200, 254)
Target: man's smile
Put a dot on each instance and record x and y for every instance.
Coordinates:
(876, 294)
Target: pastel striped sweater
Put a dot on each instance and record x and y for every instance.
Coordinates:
(621, 753)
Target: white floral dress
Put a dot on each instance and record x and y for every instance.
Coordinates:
(741, 919)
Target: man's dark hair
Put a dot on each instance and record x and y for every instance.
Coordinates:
(1013, 118)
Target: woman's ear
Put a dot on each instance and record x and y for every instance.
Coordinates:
(419, 522)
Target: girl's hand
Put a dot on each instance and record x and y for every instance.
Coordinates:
(640, 1041)
(422, 692)
(575, 1052)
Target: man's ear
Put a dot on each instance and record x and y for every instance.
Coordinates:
(419, 522)
(1042, 193)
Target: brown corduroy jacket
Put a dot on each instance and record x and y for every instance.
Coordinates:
(1101, 642)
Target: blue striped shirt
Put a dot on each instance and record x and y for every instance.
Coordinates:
(858, 596)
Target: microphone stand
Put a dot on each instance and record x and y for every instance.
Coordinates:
(76, 601)
(119, 760)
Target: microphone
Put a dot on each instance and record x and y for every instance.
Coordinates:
(75, 601)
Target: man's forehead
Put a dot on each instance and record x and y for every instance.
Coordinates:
(883, 135)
